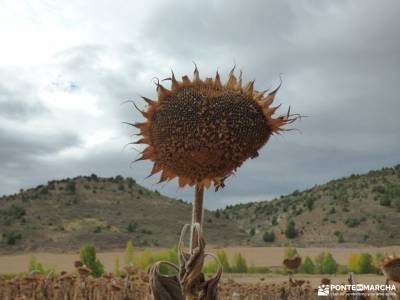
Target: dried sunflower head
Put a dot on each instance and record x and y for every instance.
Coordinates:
(201, 131)
(292, 263)
(391, 267)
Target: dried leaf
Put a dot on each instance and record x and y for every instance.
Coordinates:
(210, 287)
(164, 287)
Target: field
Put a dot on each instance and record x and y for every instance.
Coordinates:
(134, 285)
(259, 256)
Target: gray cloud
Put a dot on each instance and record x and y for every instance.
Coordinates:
(17, 145)
(13, 100)
(340, 67)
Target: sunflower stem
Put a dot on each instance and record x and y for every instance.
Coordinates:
(197, 216)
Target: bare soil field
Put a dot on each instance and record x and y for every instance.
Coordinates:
(259, 256)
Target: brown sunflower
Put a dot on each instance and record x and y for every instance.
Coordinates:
(201, 131)
(391, 267)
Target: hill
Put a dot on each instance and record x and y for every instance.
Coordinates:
(62, 215)
(359, 209)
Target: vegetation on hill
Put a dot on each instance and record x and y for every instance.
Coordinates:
(359, 209)
(106, 212)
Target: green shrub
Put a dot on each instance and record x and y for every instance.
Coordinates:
(352, 222)
(239, 264)
(329, 264)
(290, 252)
(88, 258)
(12, 237)
(252, 231)
(386, 201)
(257, 269)
(291, 231)
(210, 267)
(307, 266)
(340, 238)
(70, 186)
(378, 189)
(132, 226)
(279, 270)
(377, 263)
(35, 266)
(13, 212)
(170, 255)
(325, 264)
(365, 264)
(223, 259)
(129, 253)
(310, 203)
(117, 268)
(269, 236)
(339, 235)
(342, 269)
(144, 259)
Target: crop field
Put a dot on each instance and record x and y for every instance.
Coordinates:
(133, 284)
(71, 282)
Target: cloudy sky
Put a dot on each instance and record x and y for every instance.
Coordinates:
(66, 67)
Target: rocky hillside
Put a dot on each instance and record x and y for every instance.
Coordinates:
(359, 209)
(62, 215)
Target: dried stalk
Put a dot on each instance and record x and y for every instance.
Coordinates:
(190, 282)
(197, 216)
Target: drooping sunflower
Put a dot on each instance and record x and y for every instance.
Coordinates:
(201, 131)
(391, 267)
(292, 263)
